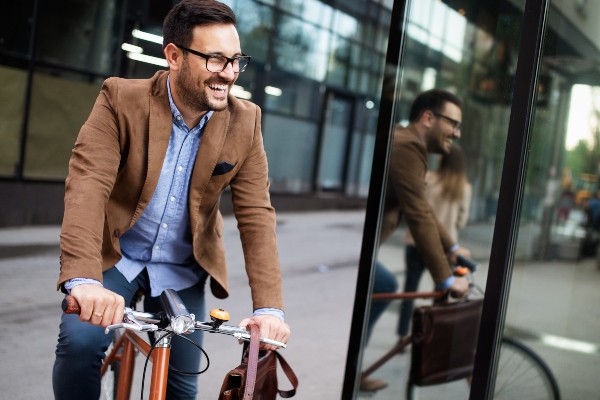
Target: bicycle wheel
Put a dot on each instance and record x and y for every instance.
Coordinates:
(110, 379)
(522, 374)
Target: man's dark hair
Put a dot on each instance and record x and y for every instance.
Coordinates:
(178, 27)
(432, 100)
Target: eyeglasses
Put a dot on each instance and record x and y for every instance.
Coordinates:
(455, 123)
(217, 63)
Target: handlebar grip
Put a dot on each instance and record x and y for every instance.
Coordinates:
(70, 305)
(467, 262)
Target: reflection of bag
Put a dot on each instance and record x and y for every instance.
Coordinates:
(589, 244)
(256, 377)
(444, 341)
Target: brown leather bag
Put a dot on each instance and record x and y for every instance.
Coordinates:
(256, 377)
(444, 342)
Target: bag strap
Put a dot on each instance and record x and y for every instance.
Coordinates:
(290, 375)
(252, 362)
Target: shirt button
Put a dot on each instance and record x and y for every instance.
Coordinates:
(178, 118)
(180, 168)
(157, 247)
(172, 198)
(165, 225)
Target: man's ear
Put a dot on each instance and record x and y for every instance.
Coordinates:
(174, 56)
(427, 118)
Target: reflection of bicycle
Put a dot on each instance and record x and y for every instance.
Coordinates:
(117, 368)
(521, 373)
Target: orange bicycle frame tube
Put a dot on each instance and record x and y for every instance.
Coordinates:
(159, 358)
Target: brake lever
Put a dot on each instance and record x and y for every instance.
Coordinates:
(129, 322)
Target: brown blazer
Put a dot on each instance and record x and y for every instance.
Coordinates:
(406, 197)
(115, 167)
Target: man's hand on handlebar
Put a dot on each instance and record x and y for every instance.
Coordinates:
(460, 287)
(99, 306)
(271, 327)
(460, 251)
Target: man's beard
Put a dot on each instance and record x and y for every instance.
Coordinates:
(436, 141)
(193, 93)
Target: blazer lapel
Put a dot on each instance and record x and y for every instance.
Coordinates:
(211, 145)
(160, 126)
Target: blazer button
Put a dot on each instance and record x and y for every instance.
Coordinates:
(117, 233)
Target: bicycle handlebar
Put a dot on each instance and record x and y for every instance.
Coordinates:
(176, 317)
(464, 261)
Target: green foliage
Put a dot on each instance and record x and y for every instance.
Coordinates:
(579, 159)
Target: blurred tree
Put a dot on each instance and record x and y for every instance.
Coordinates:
(579, 159)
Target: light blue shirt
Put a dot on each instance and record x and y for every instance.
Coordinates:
(161, 239)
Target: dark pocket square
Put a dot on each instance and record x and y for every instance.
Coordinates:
(222, 168)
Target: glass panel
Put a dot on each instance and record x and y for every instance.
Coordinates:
(361, 149)
(359, 166)
(301, 48)
(345, 25)
(292, 95)
(289, 172)
(15, 26)
(310, 10)
(254, 25)
(412, 255)
(79, 33)
(142, 65)
(339, 62)
(554, 287)
(12, 97)
(336, 132)
(55, 120)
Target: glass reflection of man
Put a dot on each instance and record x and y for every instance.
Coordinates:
(434, 123)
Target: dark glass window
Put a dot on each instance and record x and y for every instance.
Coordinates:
(78, 33)
(15, 26)
(13, 82)
(291, 94)
(60, 103)
(255, 24)
(301, 48)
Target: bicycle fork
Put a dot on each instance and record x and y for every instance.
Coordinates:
(160, 367)
(159, 359)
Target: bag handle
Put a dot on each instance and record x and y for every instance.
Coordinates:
(253, 366)
(252, 362)
(290, 375)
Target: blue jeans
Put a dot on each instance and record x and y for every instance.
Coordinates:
(384, 282)
(414, 269)
(81, 346)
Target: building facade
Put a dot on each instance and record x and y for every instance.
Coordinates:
(316, 73)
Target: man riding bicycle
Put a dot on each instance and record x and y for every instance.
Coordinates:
(142, 199)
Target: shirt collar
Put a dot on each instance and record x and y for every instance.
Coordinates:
(175, 111)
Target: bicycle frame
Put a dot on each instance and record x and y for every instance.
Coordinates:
(159, 358)
(178, 319)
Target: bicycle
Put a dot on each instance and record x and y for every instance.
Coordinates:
(174, 320)
(521, 373)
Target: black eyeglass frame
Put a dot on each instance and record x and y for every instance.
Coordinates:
(455, 123)
(229, 60)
